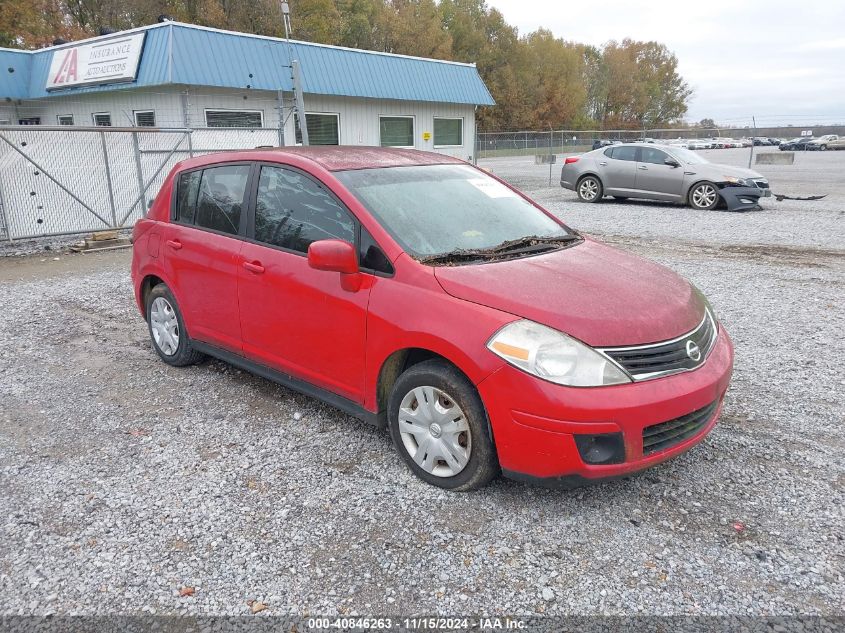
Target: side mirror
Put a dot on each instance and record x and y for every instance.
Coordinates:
(333, 255)
(672, 162)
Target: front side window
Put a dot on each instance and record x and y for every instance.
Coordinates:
(435, 209)
(187, 189)
(448, 132)
(221, 198)
(653, 156)
(323, 129)
(624, 152)
(396, 131)
(292, 211)
(234, 118)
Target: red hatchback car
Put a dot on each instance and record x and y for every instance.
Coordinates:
(417, 292)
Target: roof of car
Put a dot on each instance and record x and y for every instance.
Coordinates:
(333, 158)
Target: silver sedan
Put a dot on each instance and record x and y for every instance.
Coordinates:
(661, 172)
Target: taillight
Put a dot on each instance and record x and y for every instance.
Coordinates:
(570, 159)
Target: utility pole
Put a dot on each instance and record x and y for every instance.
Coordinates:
(295, 78)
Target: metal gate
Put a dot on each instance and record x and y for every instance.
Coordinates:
(66, 180)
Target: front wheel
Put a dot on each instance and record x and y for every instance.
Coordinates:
(439, 426)
(704, 196)
(590, 189)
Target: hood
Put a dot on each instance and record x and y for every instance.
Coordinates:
(717, 171)
(600, 295)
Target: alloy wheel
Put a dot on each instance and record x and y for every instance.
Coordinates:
(704, 196)
(588, 189)
(435, 431)
(164, 326)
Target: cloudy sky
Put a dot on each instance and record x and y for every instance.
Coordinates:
(781, 61)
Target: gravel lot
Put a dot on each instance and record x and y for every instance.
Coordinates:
(123, 482)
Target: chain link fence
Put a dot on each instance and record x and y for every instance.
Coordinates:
(65, 180)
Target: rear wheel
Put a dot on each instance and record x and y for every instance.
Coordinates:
(590, 189)
(704, 196)
(439, 426)
(167, 329)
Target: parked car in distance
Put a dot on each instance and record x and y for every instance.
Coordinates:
(775, 141)
(698, 144)
(838, 144)
(797, 144)
(821, 143)
(603, 142)
(421, 294)
(662, 172)
(760, 141)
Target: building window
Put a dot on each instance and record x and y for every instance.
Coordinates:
(33, 120)
(448, 132)
(65, 119)
(396, 131)
(234, 118)
(145, 118)
(102, 119)
(323, 129)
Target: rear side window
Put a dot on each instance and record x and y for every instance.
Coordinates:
(186, 196)
(221, 198)
(624, 153)
(291, 211)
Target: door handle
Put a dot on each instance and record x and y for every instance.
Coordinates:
(254, 267)
(642, 167)
(174, 244)
(603, 163)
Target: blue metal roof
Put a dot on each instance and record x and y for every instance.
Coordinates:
(15, 69)
(185, 54)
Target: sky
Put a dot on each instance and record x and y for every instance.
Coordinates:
(782, 62)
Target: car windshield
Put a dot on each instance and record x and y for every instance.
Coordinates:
(439, 209)
(687, 157)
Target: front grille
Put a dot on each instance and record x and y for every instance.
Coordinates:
(659, 437)
(652, 361)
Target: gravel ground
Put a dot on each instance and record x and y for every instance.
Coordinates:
(125, 483)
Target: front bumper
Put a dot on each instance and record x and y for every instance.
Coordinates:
(743, 198)
(534, 422)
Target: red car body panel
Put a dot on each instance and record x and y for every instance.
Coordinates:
(330, 322)
(247, 298)
(598, 294)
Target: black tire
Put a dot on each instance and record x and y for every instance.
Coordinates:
(823, 148)
(590, 189)
(184, 354)
(482, 465)
(700, 199)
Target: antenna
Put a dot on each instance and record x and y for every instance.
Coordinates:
(286, 18)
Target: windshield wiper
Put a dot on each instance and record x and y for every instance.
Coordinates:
(534, 240)
(527, 244)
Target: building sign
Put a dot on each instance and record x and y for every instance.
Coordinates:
(101, 62)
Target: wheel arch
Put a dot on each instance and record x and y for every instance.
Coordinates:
(401, 360)
(698, 182)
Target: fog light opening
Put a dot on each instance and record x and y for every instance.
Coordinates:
(601, 448)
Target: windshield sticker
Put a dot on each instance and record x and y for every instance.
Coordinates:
(492, 188)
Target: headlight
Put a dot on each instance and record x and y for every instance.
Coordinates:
(742, 182)
(554, 356)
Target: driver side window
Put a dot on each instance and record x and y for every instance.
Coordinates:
(653, 156)
(291, 211)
